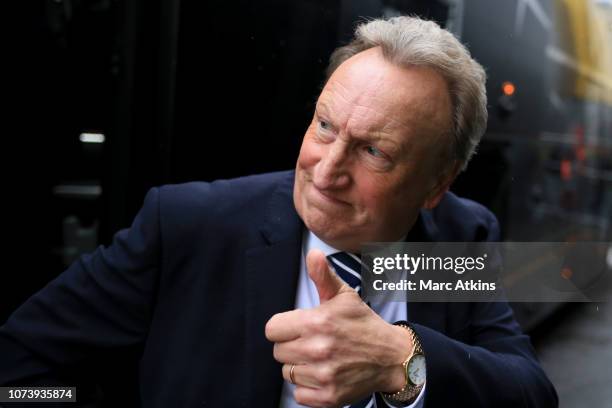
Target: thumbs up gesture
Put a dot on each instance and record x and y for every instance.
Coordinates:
(328, 283)
(341, 350)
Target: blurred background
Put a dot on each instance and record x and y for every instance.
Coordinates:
(111, 98)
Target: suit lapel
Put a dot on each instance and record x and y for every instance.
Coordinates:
(430, 314)
(271, 284)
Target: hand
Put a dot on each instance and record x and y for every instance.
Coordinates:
(341, 349)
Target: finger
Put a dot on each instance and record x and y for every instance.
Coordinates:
(328, 283)
(284, 326)
(289, 352)
(302, 375)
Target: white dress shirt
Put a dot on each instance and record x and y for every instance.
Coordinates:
(307, 297)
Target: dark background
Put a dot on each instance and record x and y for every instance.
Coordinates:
(199, 90)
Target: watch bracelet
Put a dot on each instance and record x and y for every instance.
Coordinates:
(409, 391)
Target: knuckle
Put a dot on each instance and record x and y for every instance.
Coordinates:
(299, 397)
(320, 322)
(326, 319)
(326, 375)
(321, 350)
(329, 397)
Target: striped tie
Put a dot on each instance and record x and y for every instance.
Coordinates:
(348, 267)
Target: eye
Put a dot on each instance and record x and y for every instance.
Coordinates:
(373, 151)
(325, 131)
(324, 125)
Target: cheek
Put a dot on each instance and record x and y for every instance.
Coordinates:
(374, 193)
(385, 194)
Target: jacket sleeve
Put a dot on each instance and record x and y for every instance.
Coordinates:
(95, 312)
(494, 364)
(495, 367)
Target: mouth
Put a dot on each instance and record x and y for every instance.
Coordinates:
(328, 197)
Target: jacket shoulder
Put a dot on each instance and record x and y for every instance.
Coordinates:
(193, 207)
(220, 195)
(461, 219)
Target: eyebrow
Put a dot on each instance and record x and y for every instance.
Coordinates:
(372, 136)
(386, 142)
(322, 106)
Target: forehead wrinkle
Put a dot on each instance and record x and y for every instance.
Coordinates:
(367, 120)
(357, 102)
(398, 111)
(389, 124)
(350, 100)
(380, 130)
(328, 97)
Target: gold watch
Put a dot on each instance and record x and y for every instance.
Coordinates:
(414, 370)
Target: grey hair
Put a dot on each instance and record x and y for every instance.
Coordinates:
(411, 41)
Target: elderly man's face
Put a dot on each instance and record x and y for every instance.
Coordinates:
(372, 156)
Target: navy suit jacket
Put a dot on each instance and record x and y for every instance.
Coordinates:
(186, 291)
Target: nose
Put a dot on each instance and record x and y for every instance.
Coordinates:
(332, 171)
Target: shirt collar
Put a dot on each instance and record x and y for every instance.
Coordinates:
(311, 241)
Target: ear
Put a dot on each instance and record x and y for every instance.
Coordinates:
(444, 181)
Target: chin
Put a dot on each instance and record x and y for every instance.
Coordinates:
(329, 233)
(320, 226)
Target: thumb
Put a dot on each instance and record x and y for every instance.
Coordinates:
(327, 282)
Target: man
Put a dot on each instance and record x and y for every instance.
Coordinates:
(226, 290)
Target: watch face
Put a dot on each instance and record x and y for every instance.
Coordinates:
(416, 369)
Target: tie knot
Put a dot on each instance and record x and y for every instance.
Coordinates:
(348, 267)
